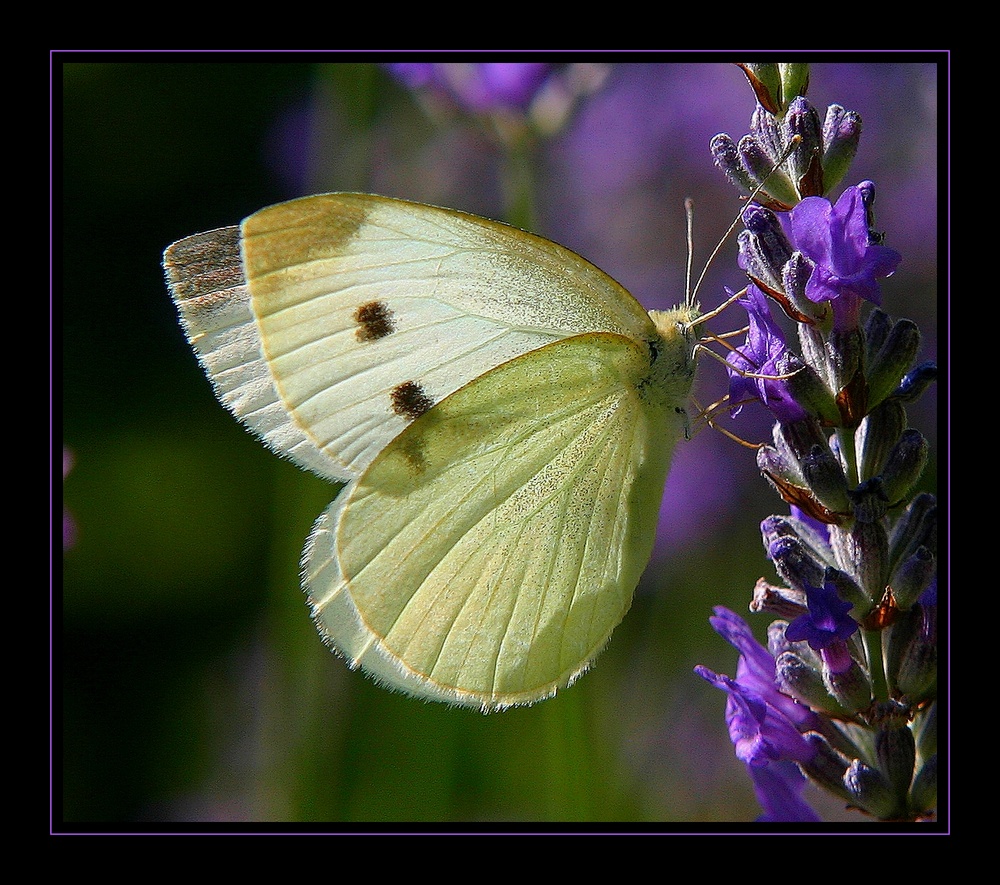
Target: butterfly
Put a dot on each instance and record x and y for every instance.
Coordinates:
(502, 412)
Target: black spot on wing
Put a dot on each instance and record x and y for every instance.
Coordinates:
(374, 321)
(410, 401)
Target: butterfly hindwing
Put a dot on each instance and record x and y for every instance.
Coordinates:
(486, 554)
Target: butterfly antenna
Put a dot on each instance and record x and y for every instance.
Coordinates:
(689, 213)
(792, 144)
(714, 313)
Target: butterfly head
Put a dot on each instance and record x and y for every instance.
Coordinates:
(672, 369)
(675, 327)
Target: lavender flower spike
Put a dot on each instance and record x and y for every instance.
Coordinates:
(846, 693)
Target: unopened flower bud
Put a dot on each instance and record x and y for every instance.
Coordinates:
(876, 435)
(774, 464)
(844, 356)
(846, 682)
(794, 562)
(893, 359)
(795, 439)
(917, 527)
(808, 389)
(757, 162)
(793, 526)
(765, 130)
(905, 465)
(877, 328)
(806, 158)
(896, 755)
(913, 576)
(764, 248)
(871, 790)
(841, 134)
(827, 767)
(862, 552)
(916, 663)
(915, 382)
(760, 152)
(805, 683)
(780, 466)
(825, 476)
(727, 158)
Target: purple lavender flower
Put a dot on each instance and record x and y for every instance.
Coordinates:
(773, 729)
(826, 623)
(837, 240)
(765, 725)
(778, 788)
(841, 452)
(479, 88)
(763, 354)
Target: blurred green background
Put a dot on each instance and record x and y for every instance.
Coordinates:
(189, 683)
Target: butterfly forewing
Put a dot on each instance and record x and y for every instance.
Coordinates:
(206, 278)
(356, 295)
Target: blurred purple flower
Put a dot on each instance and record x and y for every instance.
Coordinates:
(477, 87)
(681, 527)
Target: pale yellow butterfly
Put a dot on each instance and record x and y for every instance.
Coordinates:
(502, 411)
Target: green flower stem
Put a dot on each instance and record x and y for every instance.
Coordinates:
(876, 664)
(519, 182)
(849, 454)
